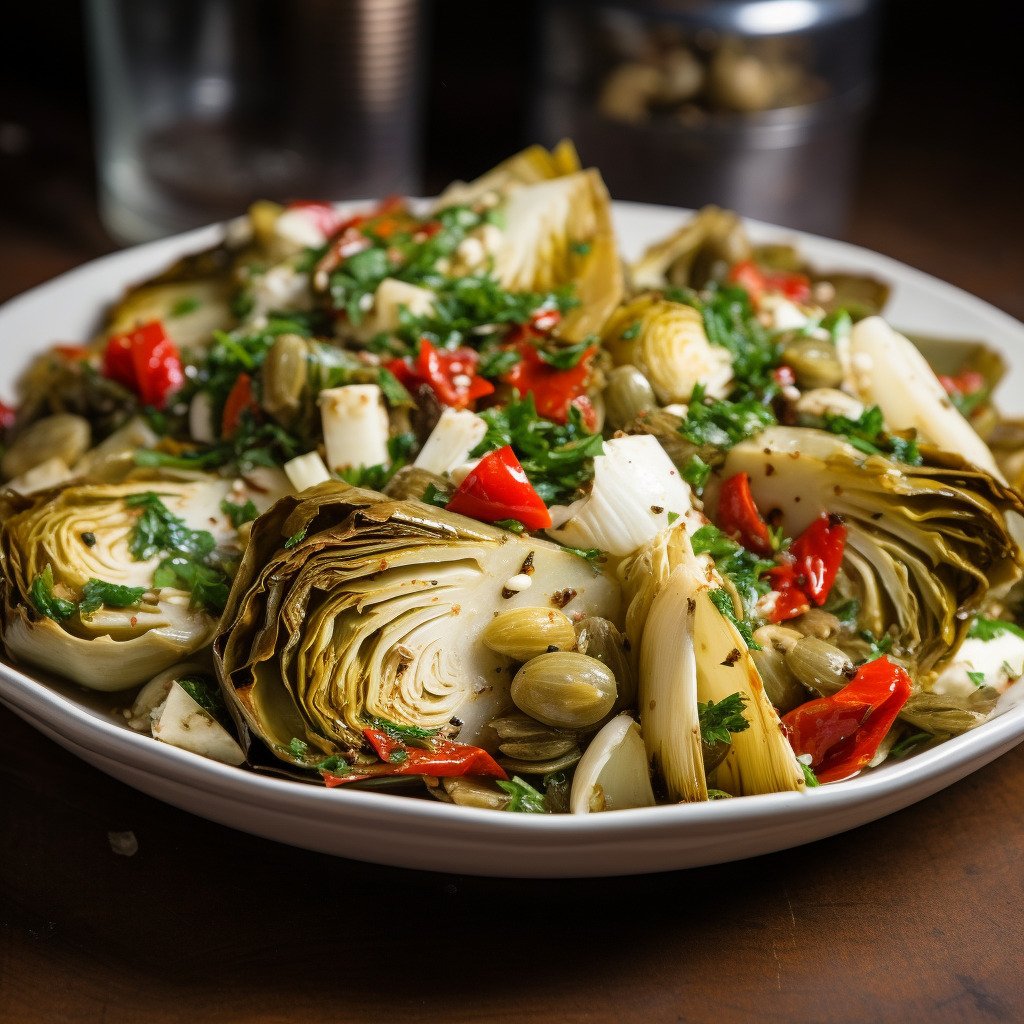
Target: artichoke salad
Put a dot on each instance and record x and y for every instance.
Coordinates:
(450, 497)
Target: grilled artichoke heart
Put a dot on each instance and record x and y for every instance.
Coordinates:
(349, 606)
(924, 543)
(81, 533)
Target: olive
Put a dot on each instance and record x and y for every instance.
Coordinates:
(819, 665)
(814, 362)
(525, 633)
(565, 689)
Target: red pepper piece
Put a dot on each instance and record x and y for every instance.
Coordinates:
(760, 281)
(446, 758)
(554, 391)
(7, 415)
(965, 383)
(498, 488)
(241, 398)
(818, 552)
(843, 732)
(145, 361)
(739, 518)
(784, 376)
(451, 376)
(791, 600)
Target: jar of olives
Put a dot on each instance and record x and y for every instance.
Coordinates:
(753, 105)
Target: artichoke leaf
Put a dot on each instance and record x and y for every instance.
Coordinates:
(101, 662)
(348, 606)
(701, 251)
(190, 311)
(560, 232)
(925, 544)
(531, 165)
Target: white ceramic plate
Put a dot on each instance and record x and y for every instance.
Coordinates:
(391, 829)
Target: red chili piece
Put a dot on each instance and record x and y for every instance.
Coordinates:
(451, 376)
(445, 758)
(554, 391)
(843, 732)
(739, 518)
(760, 281)
(498, 488)
(241, 398)
(145, 361)
(7, 415)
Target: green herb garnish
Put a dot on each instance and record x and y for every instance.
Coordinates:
(718, 721)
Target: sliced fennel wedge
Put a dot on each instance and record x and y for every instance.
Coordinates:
(687, 652)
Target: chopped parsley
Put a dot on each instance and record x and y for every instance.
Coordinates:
(97, 594)
(722, 600)
(722, 423)
(810, 779)
(696, 473)
(558, 458)
(46, 601)
(512, 525)
(906, 744)
(296, 538)
(191, 563)
(988, 629)
(205, 693)
(566, 357)
(867, 434)
(719, 721)
(184, 306)
(742, 568)
(978, 678)
(239, 514)
(631, 332)
(523, 798)
(730, 322)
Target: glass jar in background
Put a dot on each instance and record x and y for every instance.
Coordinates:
(203, 106)
(754, 105)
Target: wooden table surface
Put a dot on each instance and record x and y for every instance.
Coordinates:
(917, 917)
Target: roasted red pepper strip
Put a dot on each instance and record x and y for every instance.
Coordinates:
(7, 415)
(818, 554)
(445, 758)
(498, 488)
(451, 376)
(72, 353)
(760, 281)
(739, 518)
(240, 399)
(145, 361)
(554, 391)
(842, 732)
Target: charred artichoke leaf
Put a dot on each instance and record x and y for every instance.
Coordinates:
(559, 232)
(701, 251)
(528, 167)
(82, 532)
(666, 341)
(925, 544)
(348, 606)
(688, 652)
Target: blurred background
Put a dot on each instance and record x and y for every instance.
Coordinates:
(876, 122)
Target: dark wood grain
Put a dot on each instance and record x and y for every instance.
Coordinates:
(917, 917)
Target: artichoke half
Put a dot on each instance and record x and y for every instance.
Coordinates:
(69, 536)
(349, 607)
(925, 544)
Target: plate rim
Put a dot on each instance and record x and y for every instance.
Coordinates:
(930, 770)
